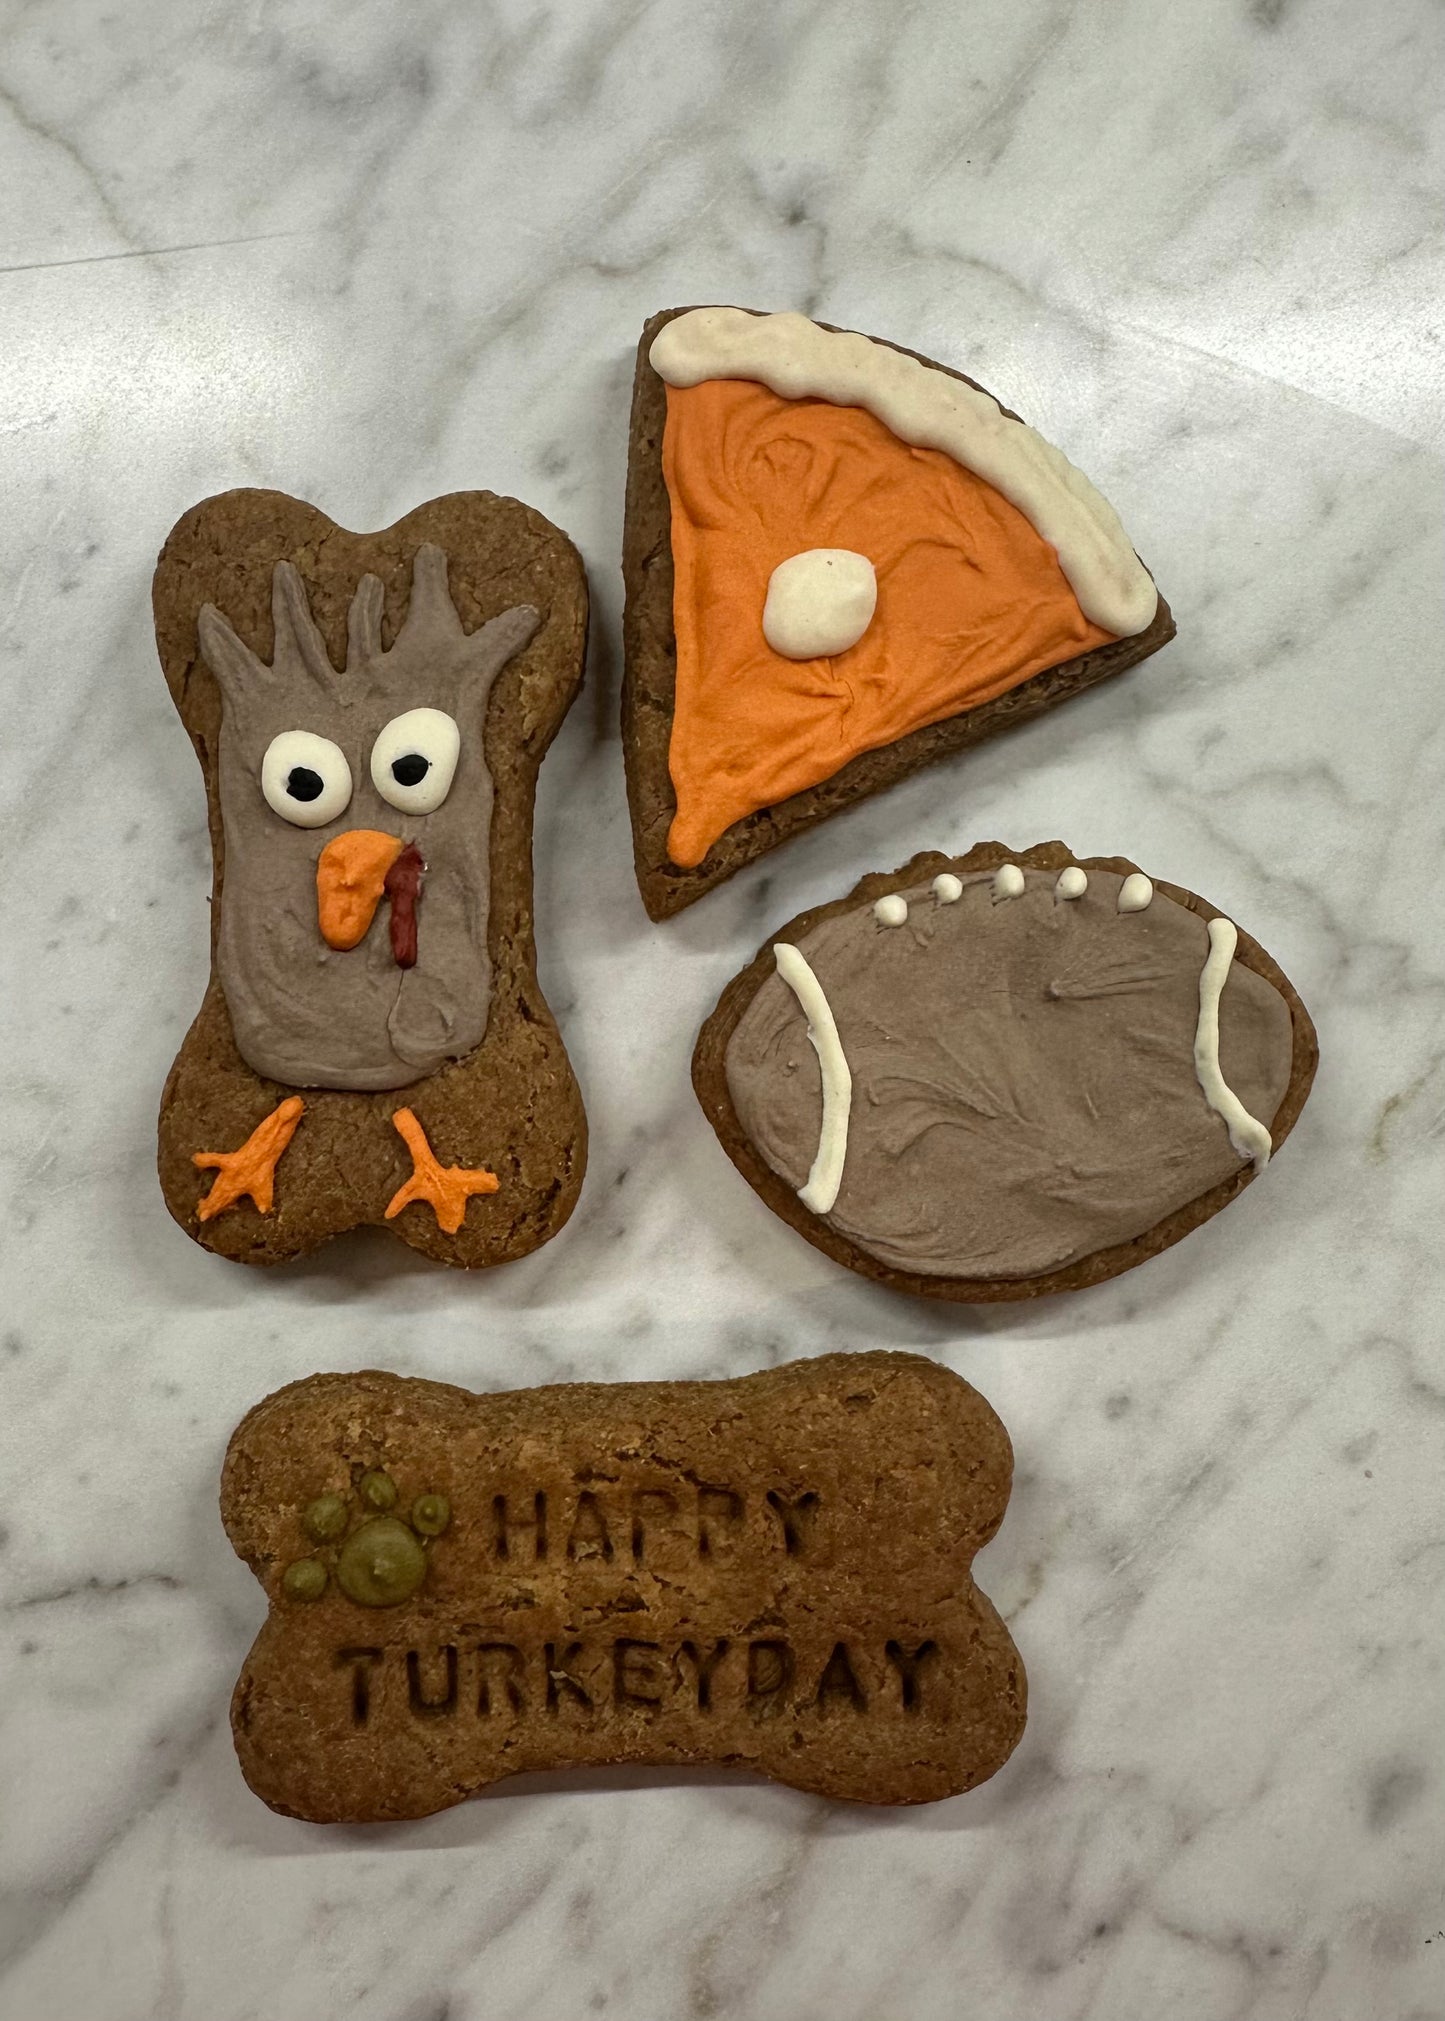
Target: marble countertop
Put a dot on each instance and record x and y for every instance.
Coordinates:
(371, 253)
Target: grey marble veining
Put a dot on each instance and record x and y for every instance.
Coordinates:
(370, 253)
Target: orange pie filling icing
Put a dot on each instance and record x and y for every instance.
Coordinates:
(971, 599)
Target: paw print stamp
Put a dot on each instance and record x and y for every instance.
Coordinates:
(376, 1555)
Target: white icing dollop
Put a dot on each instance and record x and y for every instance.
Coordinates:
(947, 888)
(1008, 881)
(1135, 893)
(819, 603)
(891, 911)
(1072, 883)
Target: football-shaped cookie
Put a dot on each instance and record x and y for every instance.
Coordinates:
(1006, 1073)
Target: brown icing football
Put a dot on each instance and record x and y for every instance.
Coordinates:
(1008, 1073)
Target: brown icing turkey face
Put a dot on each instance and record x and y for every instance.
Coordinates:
(356, 812)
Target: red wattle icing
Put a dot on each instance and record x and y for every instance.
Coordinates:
(403, 888)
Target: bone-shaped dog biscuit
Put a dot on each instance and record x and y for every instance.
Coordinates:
(370, 712)
(771, 1573)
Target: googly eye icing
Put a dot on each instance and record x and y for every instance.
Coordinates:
(305, 778)
(414, 760)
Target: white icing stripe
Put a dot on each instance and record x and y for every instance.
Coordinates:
(827, 1173)
(930, 410)
(1248, 1135)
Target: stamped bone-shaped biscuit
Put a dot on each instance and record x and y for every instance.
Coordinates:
(770, 1573)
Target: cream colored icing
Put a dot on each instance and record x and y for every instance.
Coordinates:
(1008, 881)
(891, 911)
(826, 1174)
(1073, 882)
(947, 888)
(1136, 893)
(1246, 1133)
(929, 409)
(819, 603)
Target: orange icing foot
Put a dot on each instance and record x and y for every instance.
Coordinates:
(445, 1188)
(252, 1169)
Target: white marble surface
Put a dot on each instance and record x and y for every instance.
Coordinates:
(371, 252)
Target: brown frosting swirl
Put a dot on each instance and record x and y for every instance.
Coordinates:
(1024, 1091)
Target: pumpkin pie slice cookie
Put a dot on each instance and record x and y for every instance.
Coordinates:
(842, 561)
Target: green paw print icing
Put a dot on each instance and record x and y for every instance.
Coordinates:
(378, 1560)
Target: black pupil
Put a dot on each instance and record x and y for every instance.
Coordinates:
(303, 784)
(410, 770)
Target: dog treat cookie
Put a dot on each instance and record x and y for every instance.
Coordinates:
(1005, 1073)
(770, 1573)
(370, 711)
(842, 561)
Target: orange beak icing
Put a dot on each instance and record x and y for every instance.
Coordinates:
(350, 878)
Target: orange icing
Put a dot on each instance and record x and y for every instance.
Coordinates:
(971, 600)
(446, 1189)
(350, 877)
(252, 1169)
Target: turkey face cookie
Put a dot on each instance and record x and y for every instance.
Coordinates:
(772, 1573)
(1002, 1074)
(370, 711)
(842, 561)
